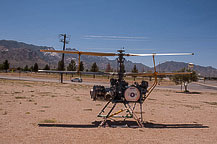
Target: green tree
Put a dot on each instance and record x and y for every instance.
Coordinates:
(26, 68)
(108, 68)
(71, 66)
(81, 68)
(134, 70)
(61, 66)
(46, 67)
(6, 65)
(185, 79)
(94, 68)
(19, 68)
(1, 67)
(35, 67)
(31, 68)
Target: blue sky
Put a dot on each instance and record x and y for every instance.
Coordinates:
(141, 26)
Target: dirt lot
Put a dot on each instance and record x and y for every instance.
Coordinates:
(170, 117)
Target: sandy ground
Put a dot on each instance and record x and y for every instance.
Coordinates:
(170, 116)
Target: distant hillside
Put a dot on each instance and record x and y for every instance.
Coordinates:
(20, 54)
(171, 66)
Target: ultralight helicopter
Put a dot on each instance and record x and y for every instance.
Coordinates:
(120, 92)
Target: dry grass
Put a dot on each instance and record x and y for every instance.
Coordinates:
(45, 106)
(20, 97)
(5, 113)
(88, 109)
(211, 103)
(48, 121)
(191, 106)
(41, 110)
(77, 99)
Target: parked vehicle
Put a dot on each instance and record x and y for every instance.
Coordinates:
(76, 80)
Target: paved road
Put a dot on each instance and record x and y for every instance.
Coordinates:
(194, 86)
(51, 80)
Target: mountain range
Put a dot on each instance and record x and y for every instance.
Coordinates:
(20, 54)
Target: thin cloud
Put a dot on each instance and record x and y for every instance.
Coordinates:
(127, 38)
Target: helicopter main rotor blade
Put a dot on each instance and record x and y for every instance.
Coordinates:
(156, 54)
(158, 74)
(113, 54)
(72, 72)
(81, 53)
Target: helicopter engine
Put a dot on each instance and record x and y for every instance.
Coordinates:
(120, 91)
(98, 91)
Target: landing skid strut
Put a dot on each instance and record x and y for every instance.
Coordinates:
(129, 110)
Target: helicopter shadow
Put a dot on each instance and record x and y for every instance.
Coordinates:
(124, 124)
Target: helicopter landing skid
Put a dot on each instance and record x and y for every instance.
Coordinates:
(129, 113)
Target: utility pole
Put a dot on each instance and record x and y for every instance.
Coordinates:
(64, 41)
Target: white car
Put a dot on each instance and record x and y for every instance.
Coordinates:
(76, 80)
